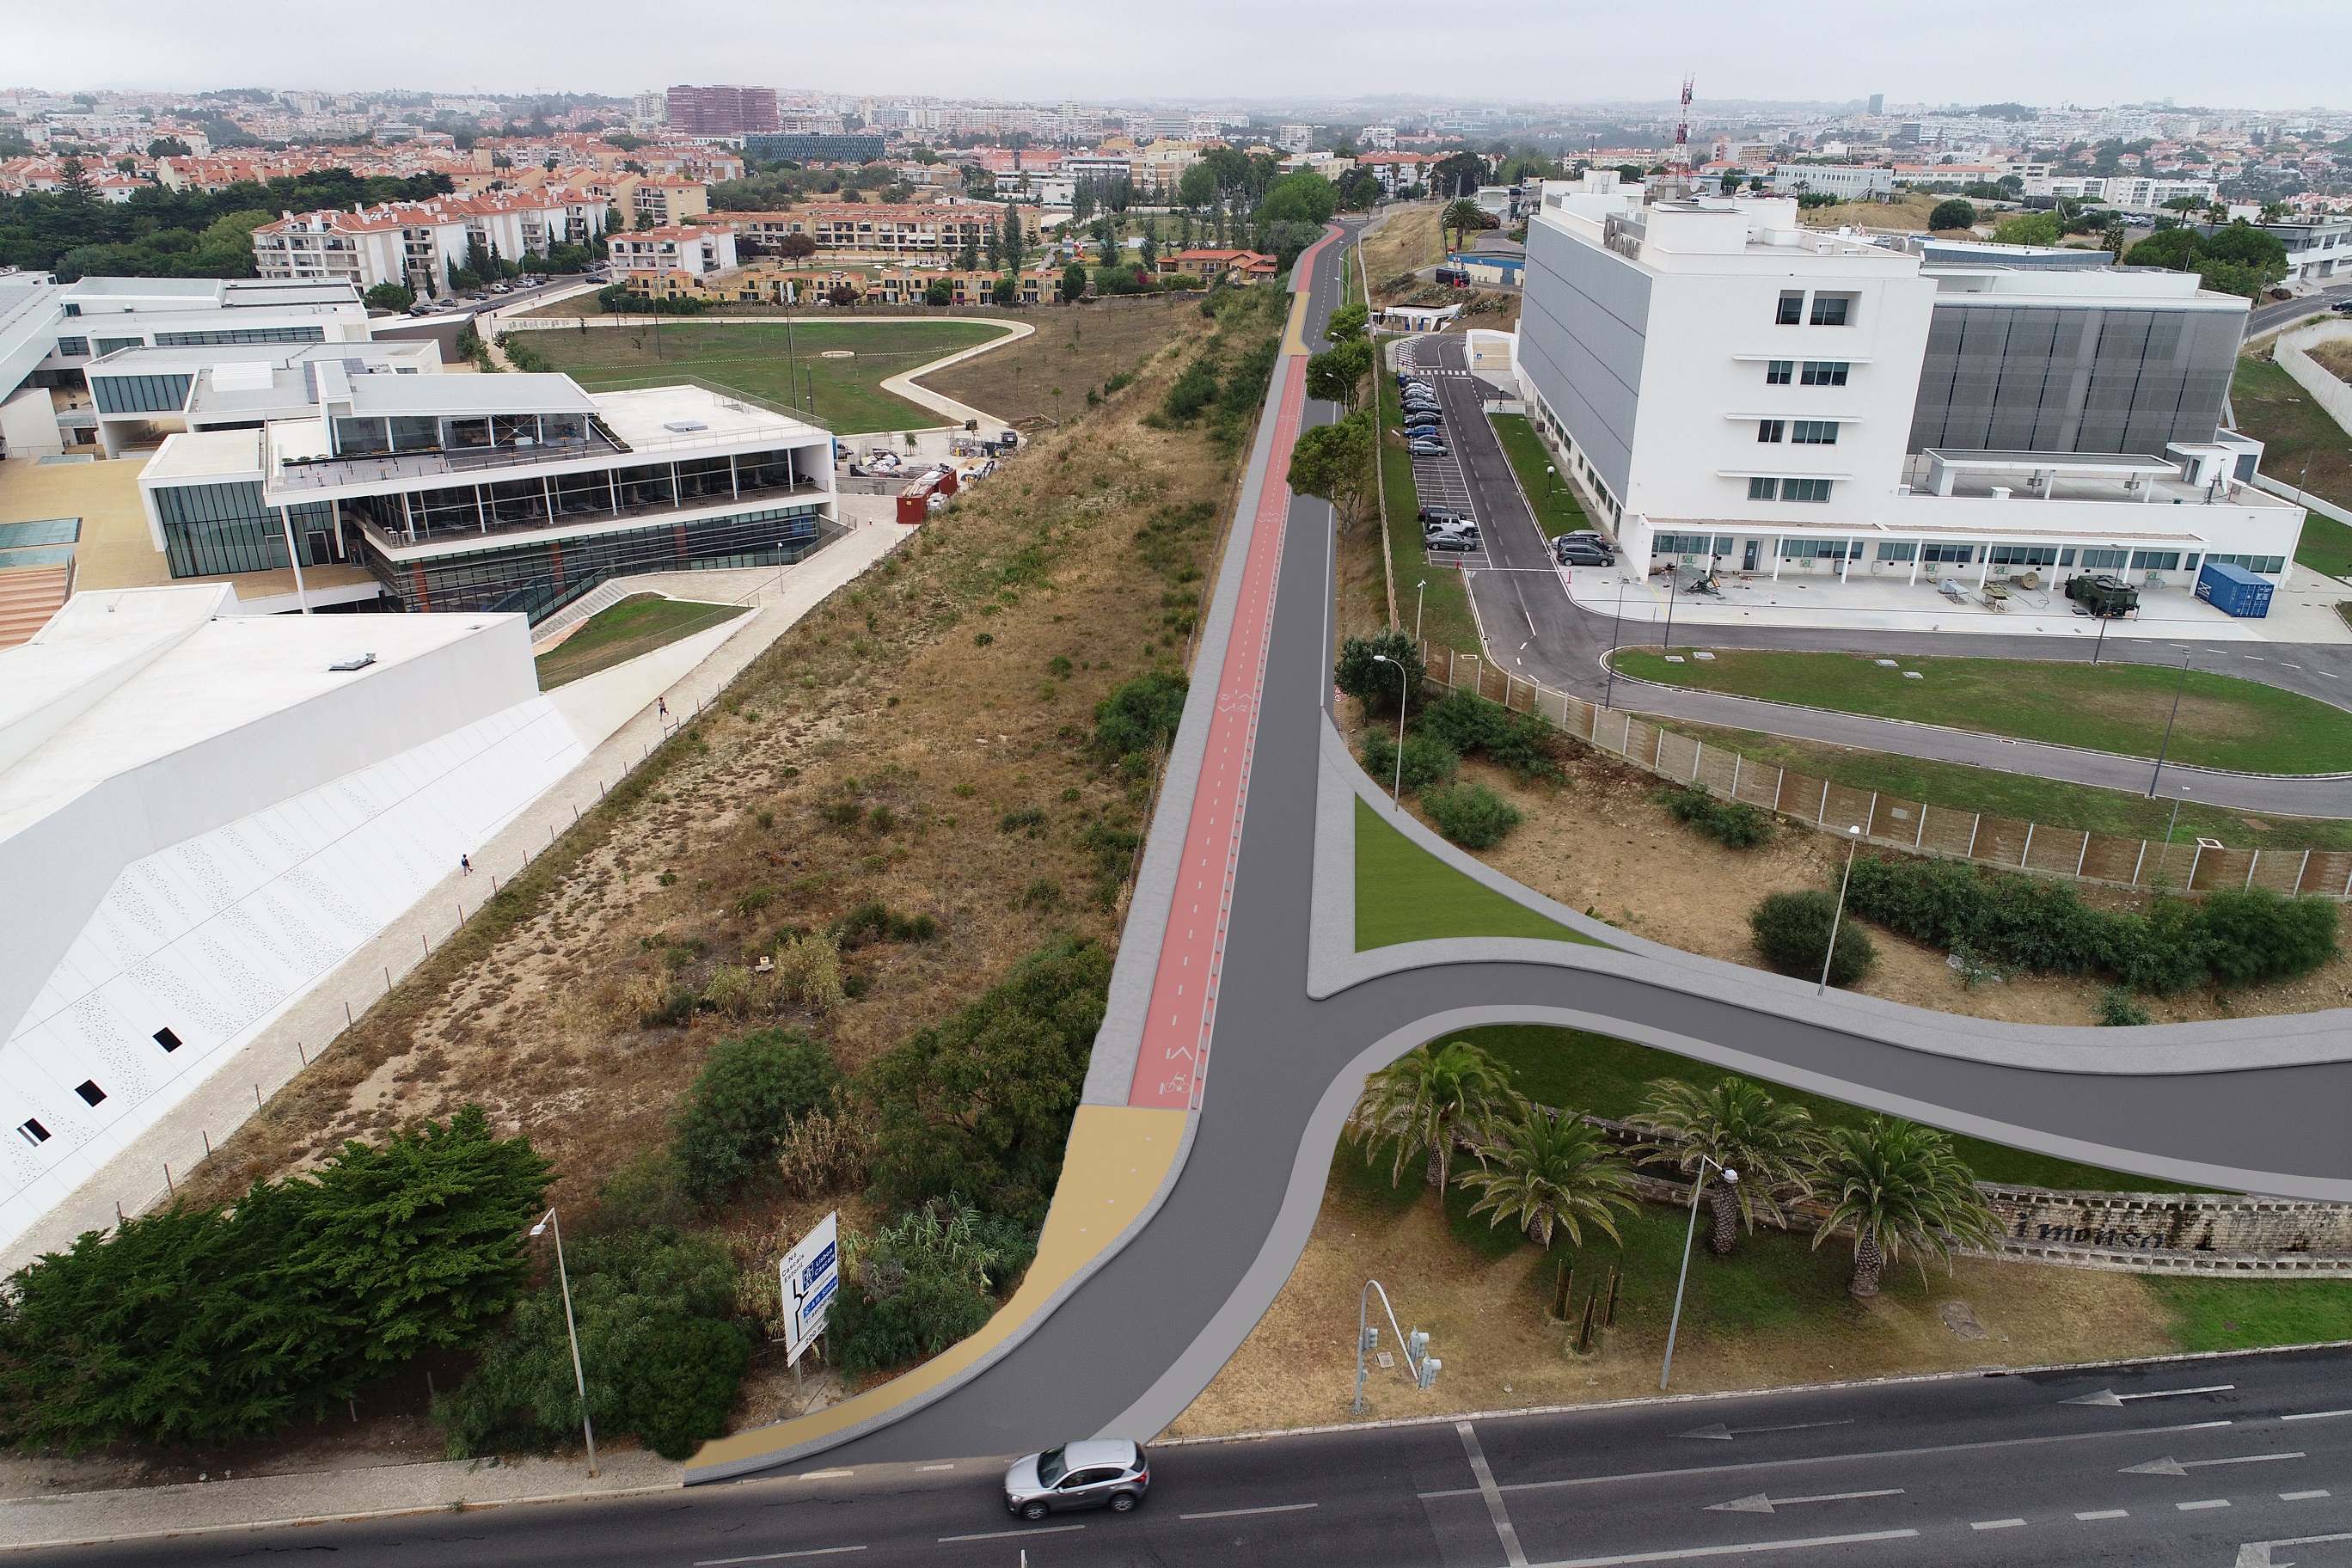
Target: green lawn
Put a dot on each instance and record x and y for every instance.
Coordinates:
(2243, 1314)
(771, 360)
(1442, 610)
(2224, 722)
(2302, 447)
(1404, 893)
(638, 624)
(2125, 814)
(1552, 496)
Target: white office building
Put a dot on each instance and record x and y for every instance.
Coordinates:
(1846, 182)
(137, 397)
(1733, 391)
(492, 492)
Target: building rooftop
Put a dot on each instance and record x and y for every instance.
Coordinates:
(463, 396)
(656, 416)
(205, 454)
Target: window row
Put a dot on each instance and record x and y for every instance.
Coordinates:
(1827, 309)
(2270, 564)
(1763, 488)
(1815, 371)
(1798, 432)
(424, 433)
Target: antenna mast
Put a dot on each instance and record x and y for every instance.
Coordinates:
(1681, 160)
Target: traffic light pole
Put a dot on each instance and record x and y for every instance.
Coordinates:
(1424, 1366)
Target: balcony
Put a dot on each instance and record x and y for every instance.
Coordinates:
(569, 503)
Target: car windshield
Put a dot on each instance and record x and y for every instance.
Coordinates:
(1052, 1465)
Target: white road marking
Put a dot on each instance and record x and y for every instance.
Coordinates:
(2316, 1416)
(2105, 1513)
(938, 1466)
(2169, 1466)
(1504, 1528)
(1743, 1548)
(2208, 1502)
(1009, 1534)
(777, 1556)
(2257, 1553)
(1760, 1503)
(2108, 1396)
(1998, 1524)
(2303, 1497)
(1722, 1433)
(1835, 1458)
(1245, 1513)
(826, 1475)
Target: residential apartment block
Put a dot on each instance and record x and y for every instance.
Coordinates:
(1732, 390)
(874, 228)
(721, 110)
(419, 244)
(696, 252)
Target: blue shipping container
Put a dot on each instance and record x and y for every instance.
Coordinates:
(2234, 591)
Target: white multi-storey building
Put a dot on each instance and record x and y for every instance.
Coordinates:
(1730, 389)
(419, 244)
(697, 252)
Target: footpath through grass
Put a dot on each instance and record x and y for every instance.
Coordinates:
(1553, 499)
(2224, 722)
(781, 361)
(2302, 447)
(2122, 813)
(618, 633)
(1404, 893)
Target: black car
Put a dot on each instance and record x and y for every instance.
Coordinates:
(1434, 514)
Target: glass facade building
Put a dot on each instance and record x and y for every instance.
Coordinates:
(212, 529)
(2032, 378)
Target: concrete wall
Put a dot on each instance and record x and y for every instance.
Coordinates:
(2326, 390)
(1583, 336)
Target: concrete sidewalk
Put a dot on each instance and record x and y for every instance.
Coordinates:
(318, 1497)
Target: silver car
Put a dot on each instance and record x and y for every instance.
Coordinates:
(1110, 1473)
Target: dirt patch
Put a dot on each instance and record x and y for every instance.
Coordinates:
(1406, 241)
(1075, 349)
(2335, 358)
(1598, 844)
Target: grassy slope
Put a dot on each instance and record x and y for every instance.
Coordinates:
(1404, 893)
(2224, 722)
(2304, 447)
(1553, 499)
(2025, 799)
(763, 357)
(638, 624)
(1442, 608)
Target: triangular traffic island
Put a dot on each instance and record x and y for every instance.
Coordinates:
(1404, 893)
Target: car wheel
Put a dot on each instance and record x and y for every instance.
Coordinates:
(1036, 1509)
(1122, 1502)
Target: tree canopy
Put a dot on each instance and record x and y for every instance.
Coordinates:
(162, 233)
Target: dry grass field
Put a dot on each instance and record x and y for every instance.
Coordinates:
(1075, 349)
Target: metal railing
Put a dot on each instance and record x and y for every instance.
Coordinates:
(489, 524)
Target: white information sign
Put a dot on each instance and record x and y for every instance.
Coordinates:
(812, 1273)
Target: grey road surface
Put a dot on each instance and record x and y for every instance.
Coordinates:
(2186, 1463)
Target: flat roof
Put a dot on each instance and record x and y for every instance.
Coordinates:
(205, 454)
(167, 359)
(458, 397)
(651, 416)
(2103, 463)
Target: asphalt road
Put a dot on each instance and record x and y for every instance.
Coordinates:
(2267, 318)
(2179, 1463)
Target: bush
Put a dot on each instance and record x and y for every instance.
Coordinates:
(1471, 815)
(2257, 935)
(1193, 391)
(1428, 761)
(206, 1325)
(749, 1090)
(1731, 823)
(2118, 1010)
(1952, 212)
(389, 296)
(981, 1103)
(875, 920)
(913, 1288)
(1469, 723)
(654, 1310)
(1361, 676)
(1792, 932)
(808, 970)
(1140, 716)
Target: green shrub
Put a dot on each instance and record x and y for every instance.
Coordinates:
(655, 1314)
(1026, 819)
(749, 1091)
(1140, 716)
(1471, 815)
(2256, 935)
(1792, 932)
(1194, 390)
(1361, 676)
(206, 1325)
(1469, 722)
(982, 1102)
(1731, 823)
(913, 1288)
(875, 920)
(1428, 761)
(2118, 1010)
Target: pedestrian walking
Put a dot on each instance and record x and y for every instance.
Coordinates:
(465, 864)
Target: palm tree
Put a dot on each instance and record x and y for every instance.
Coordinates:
(1433, 1097)
(1899, 1187)
(1543, 1169)
(1463, 216)
(1739, 1127)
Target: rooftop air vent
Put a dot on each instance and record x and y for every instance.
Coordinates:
(682, 426)
(361, 662)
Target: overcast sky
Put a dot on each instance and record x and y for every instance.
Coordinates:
(2255, 54)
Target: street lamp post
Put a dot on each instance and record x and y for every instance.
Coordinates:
(2169, 828)
(1404, 678)
(1853, 838)
(1616, 628)
(2186, 655)
(1666, 643)
(579, 1378)
(1420, 593)
(1730, 1179)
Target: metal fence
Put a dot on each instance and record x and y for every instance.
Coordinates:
(2201, 866)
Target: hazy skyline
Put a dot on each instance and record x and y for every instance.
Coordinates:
(2265, 54)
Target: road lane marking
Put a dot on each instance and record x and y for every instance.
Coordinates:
(1834, 1459)
(1245, 1513)
(2108, 1396)
(2208, 1502)
(2105, 1513)
(938, 1466)
(1743, 1548)
(2303, 1497)
(1494, 1495)
(2257, 1553)
(1998, 1524)
(1759, 1503)
(2169, 1466)
(1724, 1434)
(1009, 1534)
(2316, 1416)
(776, 1556)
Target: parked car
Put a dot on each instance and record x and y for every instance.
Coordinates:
(1463, 526)
(1420, 400)
(1111, 1473)
(1447, 540)
(1594, 534)
(1577, 554)
(1436, 514)
(2342, 307)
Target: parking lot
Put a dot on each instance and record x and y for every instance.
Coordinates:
(1440, 482)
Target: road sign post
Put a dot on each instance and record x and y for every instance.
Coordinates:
(809, 1273)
